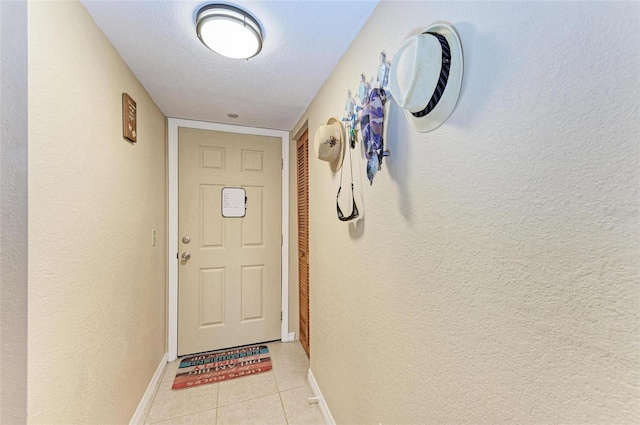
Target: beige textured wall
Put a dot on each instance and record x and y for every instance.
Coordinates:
(13, 212)
(494, 277)
(96, 285)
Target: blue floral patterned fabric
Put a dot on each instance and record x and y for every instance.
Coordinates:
(372, 126)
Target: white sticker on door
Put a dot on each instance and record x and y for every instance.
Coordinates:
(234, 202)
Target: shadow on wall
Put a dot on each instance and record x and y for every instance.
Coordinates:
(349, 172)
(356, 228)
(396, 140)
(477, 86)
(478, 82)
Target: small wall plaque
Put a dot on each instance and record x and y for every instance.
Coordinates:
(129, 121)
(234, 202)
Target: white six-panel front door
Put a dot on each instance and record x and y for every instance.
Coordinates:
(229, 288)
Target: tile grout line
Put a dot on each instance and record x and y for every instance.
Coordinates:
(218, 403)
(188, 413)
(291, 389)
(290, 354)
(286, 418)
(180, 416)
(284, 356)
(294, 388)
(284, 411)
(249, 399)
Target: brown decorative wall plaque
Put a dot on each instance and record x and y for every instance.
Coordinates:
(129, 120)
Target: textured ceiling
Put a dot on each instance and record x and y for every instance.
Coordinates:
(303, 41)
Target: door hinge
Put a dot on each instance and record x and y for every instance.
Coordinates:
(281, 315)
(282, 163)
(281, 240)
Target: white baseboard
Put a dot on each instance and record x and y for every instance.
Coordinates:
(321, 401)
(292, 336)
(148, 394)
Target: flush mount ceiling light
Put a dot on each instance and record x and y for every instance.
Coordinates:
(229, 31)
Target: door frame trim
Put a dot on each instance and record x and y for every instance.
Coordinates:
(172, 156)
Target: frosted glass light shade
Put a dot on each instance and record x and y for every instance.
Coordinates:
(229, 31)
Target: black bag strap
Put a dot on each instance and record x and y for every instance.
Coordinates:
(354, 210)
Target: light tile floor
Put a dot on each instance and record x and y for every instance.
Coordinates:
(278, 397)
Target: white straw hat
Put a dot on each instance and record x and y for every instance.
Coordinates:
(329, 143)
(426, 75)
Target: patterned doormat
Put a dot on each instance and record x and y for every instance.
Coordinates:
(216, 366)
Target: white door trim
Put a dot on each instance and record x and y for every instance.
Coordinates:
(172, 130)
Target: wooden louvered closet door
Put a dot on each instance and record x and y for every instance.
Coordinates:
(303, 237)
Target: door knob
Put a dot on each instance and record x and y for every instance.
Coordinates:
(186, 240)
(185, 256)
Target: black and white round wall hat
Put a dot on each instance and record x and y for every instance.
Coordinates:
(426, 75)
